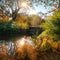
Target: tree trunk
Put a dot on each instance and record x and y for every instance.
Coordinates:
(14, 14)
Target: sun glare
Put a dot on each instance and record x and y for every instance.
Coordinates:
(24, 4)
(22, 42)
(32, 12)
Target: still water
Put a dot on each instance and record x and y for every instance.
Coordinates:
(11, 46)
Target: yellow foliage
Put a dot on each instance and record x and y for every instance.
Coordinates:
(21, 18)
(4, 19)
(55, 45)
(24, 25)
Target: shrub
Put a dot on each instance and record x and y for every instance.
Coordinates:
(45, 46)
(51, 26)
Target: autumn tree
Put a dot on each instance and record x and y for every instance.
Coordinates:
(23, 21)
(35, 20)
(3, 17)
(51, 27)
(12, 7)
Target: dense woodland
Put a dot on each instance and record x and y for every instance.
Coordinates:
(29, 37)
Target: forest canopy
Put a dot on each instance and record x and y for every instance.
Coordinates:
(13, 7)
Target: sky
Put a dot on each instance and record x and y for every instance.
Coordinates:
(36, 10)
(40, 9)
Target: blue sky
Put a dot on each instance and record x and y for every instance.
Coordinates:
(41, 8)
(37, 9)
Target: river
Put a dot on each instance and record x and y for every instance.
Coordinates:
(10, 46)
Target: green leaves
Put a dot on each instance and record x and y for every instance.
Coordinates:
(51, 26)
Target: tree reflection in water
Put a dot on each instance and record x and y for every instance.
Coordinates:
(10, 46)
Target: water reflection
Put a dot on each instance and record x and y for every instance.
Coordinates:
(10, 46)
(23, 41)
(7, 47)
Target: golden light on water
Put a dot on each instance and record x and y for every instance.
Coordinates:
(22, 42)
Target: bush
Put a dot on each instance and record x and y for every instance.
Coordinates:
(8, 28)
(44, 45)
(51, 27)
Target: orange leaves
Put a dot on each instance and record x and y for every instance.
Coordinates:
(27, 50)
(22, 21)
(3, 56)
(4, 19)
(21, 18)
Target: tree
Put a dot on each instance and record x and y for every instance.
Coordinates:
(35, 20)
(14, 6)
(22, 21)
(3, 17)
(51, 27)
